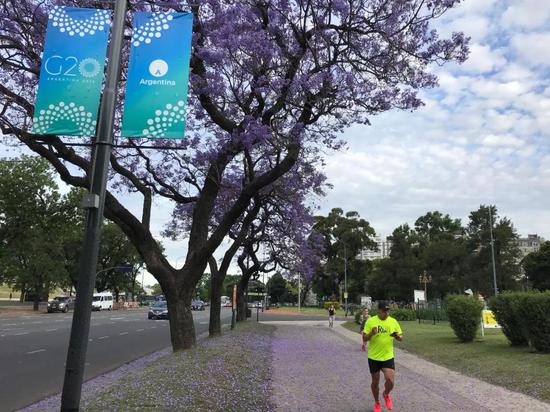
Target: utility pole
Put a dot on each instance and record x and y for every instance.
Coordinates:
(493, 250)
(299, 291)
(346, 279)
(94, 204)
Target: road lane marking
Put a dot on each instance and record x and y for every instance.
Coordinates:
(36, 351)
(59, 320)
(10, 324)
(22, 333)
(51, 330)
(140, 330)
(123, 333)
(103, 337)
(203, 323)
(116, 318)
(153, 327)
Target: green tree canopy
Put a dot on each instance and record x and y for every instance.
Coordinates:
(37, 223)
(537, 267)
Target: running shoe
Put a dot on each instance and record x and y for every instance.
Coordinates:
(377, 407)
(389, 403)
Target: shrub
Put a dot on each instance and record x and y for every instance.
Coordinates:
(403, 314)
(507, 308)
(464, 313)
(535, 310)
(328, 303)
(358, 317)
(353, 309)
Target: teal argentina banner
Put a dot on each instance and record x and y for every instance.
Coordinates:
(158, 73)
(71, 73)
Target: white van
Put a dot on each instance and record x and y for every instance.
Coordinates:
(102, 300)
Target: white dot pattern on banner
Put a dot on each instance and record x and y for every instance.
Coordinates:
(152, 29)
(76, 27)
(164, 119)
(46, 118)
(89, 67)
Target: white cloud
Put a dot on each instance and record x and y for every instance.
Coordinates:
(532, 48)
(526, 14)
(483, 59)
(503, 140)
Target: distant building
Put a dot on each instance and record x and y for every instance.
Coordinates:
(529, 244)
(384, 248)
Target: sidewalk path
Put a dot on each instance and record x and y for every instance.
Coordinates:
(318, 368)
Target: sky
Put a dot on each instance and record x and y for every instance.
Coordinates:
(481, 138)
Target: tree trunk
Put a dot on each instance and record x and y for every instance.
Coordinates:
(241, 303)
(37, 296)
(182, 328)
(216, 284)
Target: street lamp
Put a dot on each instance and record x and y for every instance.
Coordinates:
(345, 280)
(424, 278)
(493, 250)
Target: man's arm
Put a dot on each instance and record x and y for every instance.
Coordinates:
(372, 332)
(397, 337)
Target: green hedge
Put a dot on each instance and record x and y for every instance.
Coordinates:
(507, 308)
(403, 314)
(328, 303)
(464, 313)
(536, 312)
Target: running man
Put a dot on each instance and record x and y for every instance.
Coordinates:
(380, 331)
(331, 312)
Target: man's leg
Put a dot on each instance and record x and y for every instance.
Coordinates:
(389, 376)
(375, 386)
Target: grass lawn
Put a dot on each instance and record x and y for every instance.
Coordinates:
(489, 358)
(5, 292)
(310, 311)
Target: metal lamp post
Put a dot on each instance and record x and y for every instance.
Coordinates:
(345, 280)
(493, 250)
(425, 279)
(94, 202)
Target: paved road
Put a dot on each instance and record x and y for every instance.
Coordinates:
(33, 349)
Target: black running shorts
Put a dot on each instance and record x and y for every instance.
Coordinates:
(377, 366)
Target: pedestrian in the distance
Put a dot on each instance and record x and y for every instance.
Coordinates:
(331, 312)
(380, 331)
(364, 317)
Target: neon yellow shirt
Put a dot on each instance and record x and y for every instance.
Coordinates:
(381, 344)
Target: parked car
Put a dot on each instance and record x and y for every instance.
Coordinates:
(158, 310)
(197, 305)
(61, 304)
(256, 304)
(102, 300)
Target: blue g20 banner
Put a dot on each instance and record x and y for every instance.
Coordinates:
(158, 73)
(71, 73)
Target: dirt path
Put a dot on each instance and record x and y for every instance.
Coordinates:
(318, 368)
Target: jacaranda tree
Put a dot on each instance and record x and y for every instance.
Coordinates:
(272, 82)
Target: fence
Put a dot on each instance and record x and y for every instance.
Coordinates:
(432, 311)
